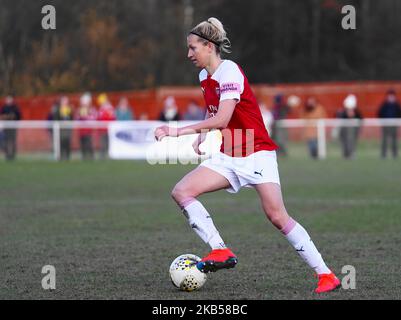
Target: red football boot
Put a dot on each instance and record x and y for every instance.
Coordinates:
(327, 282)
(217, 259)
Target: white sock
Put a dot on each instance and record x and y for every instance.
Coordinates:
(304, 245)
(201, 222)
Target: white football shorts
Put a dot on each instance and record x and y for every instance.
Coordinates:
(259, 167)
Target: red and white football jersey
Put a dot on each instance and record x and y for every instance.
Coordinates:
(246, 132)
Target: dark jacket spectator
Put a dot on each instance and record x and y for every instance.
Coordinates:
(10, 111)
(389, 109)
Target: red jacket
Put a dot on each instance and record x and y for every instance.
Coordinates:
(106, 113)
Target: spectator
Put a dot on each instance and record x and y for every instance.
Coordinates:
(280, 134)
(267, 117)
(86, 112)
(51, 116)
(389, 109)
(349, 134)
(293, 101)
(143, 116)
(106, 113)
(170, 110)
(313, 111)
(54, 110)
(124, 110)
(194, 112)
(1, 139)
(10, 112)
(65, 113)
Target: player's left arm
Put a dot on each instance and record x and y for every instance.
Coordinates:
(219, 121)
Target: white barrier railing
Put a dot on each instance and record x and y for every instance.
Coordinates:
(320, 124)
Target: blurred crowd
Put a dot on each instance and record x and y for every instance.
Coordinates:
(101, 109)
(88, 109)
(312, 110)
(62, 110)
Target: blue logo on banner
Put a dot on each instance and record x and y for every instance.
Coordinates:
(133, 136)
(125, 136)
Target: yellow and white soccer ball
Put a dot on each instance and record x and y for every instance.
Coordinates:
(185, 275)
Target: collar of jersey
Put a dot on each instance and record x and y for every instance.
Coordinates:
(211, 76)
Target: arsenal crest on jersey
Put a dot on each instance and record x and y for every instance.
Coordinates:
(218, 91)
(212, 110)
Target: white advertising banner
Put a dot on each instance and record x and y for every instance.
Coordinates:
(135, 140)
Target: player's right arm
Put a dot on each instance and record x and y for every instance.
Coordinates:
(200, 138)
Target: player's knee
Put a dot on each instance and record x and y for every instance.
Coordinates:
(277, 217)
(277, 221)
(180, 193)
(176, 194)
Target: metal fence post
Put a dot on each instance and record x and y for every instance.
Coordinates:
(321, 139)
(56, 140)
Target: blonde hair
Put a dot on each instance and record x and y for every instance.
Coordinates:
(212, 30)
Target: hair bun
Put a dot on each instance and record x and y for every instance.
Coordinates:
(212, 30)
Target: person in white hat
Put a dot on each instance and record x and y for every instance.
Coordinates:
(349, 134)
(86, 112)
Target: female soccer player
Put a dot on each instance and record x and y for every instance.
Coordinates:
(247, 156)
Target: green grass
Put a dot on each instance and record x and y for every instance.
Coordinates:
(111, 230)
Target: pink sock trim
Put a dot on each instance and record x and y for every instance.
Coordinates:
(186, 202)
(289, 226)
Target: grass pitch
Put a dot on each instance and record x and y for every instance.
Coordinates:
(111, 231)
